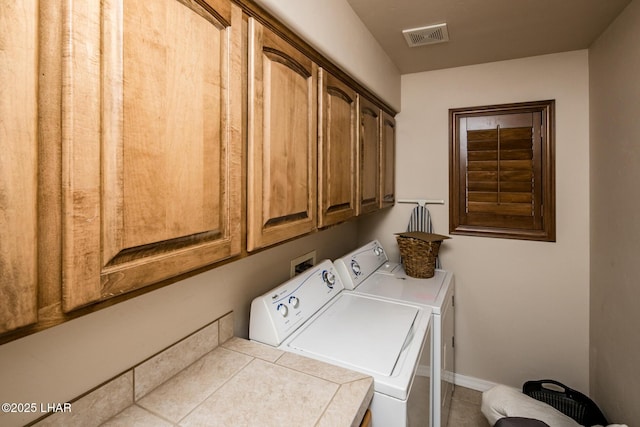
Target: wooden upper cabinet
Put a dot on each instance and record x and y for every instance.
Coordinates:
(282, 140)
(151, 142)
(18, 164)
(369, 194)
(338, 150)
(388, 161)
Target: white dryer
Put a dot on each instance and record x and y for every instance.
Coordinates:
(311, 315)
(368, 271)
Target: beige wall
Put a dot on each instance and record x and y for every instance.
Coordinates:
(333, 28)
(614, 67)
(62, 362)
(65, 361)
(522, 307)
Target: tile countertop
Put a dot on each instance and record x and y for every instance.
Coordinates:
(242, 383)
(211, 378)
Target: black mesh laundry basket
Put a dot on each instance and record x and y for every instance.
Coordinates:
(570, 402)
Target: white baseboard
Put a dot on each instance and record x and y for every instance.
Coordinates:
(458, 379)
(472, 382)
(423, 371)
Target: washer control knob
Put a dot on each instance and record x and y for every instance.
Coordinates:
(283, 310)
(329, 278)
(294, 301)
(355, 267)
(378, 250)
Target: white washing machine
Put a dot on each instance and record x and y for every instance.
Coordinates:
(367, 271)
(311, 315)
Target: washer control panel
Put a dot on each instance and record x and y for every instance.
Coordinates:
(356, 266)
(276, 314)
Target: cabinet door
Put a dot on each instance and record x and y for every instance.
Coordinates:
(151, 142)
(388, 161)
(282, 140)
(18, 163)
(338, 150)
(369, 199)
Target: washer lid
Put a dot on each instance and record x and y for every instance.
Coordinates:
(360, 331)
(401, 287)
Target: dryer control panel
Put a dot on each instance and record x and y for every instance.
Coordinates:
(279, 312)
(356, 266)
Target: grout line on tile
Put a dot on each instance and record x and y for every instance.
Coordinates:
(327, 405)
(151, 411)
(219, 387)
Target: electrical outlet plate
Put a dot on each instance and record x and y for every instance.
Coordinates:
(301, 263)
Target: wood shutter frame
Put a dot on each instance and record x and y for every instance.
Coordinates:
(499, 186)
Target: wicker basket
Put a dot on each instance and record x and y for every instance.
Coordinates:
(419, 251)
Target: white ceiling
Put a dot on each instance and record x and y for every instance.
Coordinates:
(485, 30)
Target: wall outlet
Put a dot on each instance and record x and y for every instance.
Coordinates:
(303, 262)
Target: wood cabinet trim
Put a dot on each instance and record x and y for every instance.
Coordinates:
(80, 126)
(19, 139)
(217, 12)
(284, 59)
(336, 91)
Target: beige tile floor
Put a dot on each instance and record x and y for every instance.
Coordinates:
(465, 409)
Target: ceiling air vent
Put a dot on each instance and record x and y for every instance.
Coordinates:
(426, 35)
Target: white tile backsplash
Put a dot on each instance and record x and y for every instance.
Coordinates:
(96, 407)
(155, 371)
(120, 393)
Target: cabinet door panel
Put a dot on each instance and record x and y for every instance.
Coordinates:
(173, 155)
(155, 191)
(282, 140)
(338, 150)
(18, 164)
(387, 161)
(369, 199)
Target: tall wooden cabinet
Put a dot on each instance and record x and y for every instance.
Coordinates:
(282, 140)
(19, 46)
(387, 160)
(337, 151)
(151, 142)
(369, 188)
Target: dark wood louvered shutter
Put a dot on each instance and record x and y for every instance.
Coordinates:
(498, 187)
(501, 175)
